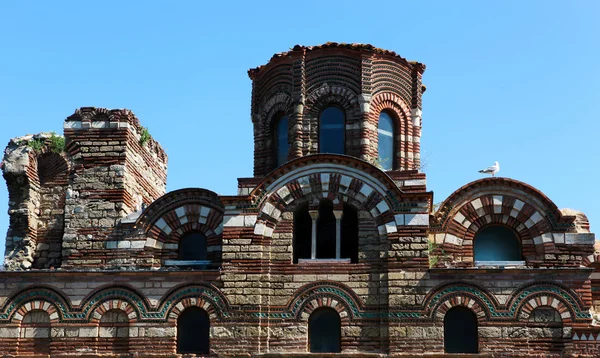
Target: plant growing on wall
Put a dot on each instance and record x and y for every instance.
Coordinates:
(435, 253)
(144, 136)
(36, 144)
(57, 143)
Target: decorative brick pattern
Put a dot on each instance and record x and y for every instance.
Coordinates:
(541, 227)
(93, 241)
(306, 80)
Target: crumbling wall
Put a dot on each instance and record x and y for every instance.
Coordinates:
(36, 170)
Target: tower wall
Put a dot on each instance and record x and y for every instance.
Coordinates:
(117, 167)
(360, 79)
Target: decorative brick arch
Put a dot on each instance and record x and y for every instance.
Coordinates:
(544, 301)
(280, 102)
(37, 305)
(59, 304)
(200, 302)
(566, 302)
(325, 96)
(349, 180)
(204, 296)
(325, 294)
(264, 126)
(114, 304)
(592, 260)
(107, 298)
(403, 128)
(500, 201)
(442, 299)
(180, 212)
(462, 301)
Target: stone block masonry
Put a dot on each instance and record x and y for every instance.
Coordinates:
(101, 261)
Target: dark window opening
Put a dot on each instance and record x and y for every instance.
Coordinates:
(324, 331)
(331, 131)
(193, 246)
(350, 234)
(193, 331)
(326, 225)
(460, 331)
(302, 232)
(282, 146)
(497, 243)
(326, 230)
(385, 140)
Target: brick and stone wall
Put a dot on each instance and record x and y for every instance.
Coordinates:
(92, 252)
(360, 79)
(114, 173)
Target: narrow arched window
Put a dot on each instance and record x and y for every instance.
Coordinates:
(113, 332)
(35, 333)
(326, 231)
(324, 331)
(385, 140)
(282, 146)
(302, 232)
(193, 330)
(460, 331)
(331, 131)
(193, 246)
(496, 243)
(350, 233)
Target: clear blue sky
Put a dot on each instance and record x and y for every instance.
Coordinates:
(513, 81)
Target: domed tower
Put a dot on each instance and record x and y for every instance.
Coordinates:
(349, 99)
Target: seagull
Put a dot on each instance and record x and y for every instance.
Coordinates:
(491, 170)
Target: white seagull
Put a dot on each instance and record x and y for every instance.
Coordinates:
(491, 170)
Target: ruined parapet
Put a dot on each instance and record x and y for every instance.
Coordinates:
(35, 168)
(581, 223)
(117, 167)
(68, 193)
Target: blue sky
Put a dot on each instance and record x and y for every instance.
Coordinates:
(513, 81)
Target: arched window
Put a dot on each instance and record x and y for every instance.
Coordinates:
(35, 333)
(192, 246)
(326, 230)
(496, 243)
(113, 332)
(460, 331)
(331, 131)
(282, 146)
(193, 330)
(385, 140)
(324, 331)
(335, 234)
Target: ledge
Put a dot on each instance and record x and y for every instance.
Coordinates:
(529, 269)
(323, 261)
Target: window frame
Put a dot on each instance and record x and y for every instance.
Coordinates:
(332, 105)
(205, 314)
(202, 264)
(501, 263)
(476, 330)
(275, 125)
(310, 329)
(349, 244)
(394, 120)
